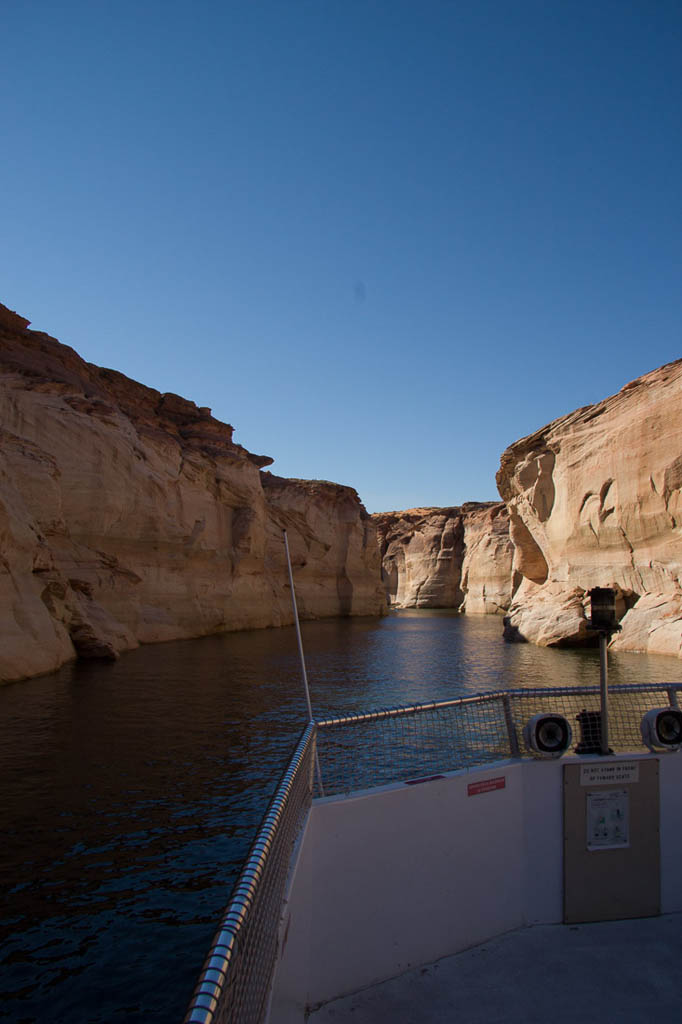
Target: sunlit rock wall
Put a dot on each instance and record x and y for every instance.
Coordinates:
(458, 557)
(594, 500)
(128, 516)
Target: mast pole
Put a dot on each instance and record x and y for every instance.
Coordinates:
(302, 656)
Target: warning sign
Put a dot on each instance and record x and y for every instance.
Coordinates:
(486, 786)
(614, 772)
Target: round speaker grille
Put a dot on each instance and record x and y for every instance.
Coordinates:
(669, 727)
(552, 735)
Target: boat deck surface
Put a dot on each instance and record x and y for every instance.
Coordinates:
(617, 971)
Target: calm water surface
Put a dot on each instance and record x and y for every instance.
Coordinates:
(130, 792)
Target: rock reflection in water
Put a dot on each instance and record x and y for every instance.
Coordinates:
(129, 793)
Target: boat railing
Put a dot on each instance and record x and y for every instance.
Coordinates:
(361, 751)
(234, 983)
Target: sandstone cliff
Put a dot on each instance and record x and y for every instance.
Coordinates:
(594, 500)
(458, 557)
(128, 516)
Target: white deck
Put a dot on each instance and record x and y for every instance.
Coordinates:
(619, 971)
(441, 874)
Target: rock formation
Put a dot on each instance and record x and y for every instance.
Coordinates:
(128, 516)
(458, 557)
(594, 500)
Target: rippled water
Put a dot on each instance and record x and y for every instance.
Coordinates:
(129, 793)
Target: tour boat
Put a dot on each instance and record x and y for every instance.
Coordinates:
(449, 862)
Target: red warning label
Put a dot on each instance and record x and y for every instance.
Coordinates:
(487, 786)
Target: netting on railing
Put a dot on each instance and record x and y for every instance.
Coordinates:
(235, 981)
(400, 744)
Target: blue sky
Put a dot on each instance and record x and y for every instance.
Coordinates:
(384, 239)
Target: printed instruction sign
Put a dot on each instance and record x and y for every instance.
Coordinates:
(608, 819)
(610, 773)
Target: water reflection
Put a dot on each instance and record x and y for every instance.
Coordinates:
(130, 792)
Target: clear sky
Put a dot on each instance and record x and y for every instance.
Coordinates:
(382, 238)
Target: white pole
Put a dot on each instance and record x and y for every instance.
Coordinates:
(301, 655)
(298, 629)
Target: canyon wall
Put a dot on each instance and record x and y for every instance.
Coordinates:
(594, 500)
(458, 557)
(128, 516)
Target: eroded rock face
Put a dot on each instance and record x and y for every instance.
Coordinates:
(458, 557)
(594, 500)
(128, 516)
(333, 546)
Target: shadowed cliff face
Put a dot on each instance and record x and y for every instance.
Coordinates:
(128, 516)
(594, 500)
(457, 557)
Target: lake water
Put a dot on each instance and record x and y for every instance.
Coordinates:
(130, 792)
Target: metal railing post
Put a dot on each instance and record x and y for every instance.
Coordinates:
(604, 692)
(511, 729)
